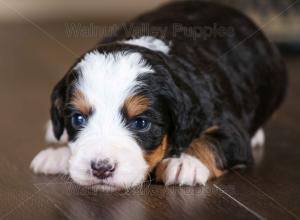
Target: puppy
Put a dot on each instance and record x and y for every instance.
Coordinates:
(183, 106)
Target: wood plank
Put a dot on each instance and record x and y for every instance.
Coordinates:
(19, 198)
(148, 202)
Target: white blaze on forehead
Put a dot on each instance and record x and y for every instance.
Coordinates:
(151, 43)
(108, 79)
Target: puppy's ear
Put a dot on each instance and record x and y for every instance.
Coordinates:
(186, 117)
(58, 98)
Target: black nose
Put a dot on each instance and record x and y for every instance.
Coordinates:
(102, 169)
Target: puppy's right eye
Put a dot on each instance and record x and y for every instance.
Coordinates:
(78, 121)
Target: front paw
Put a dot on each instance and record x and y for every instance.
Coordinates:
(51, 161)
(185, 170)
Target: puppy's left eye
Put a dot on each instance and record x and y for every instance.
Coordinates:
(141, 124)
(78, 121)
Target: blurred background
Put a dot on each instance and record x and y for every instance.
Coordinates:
(279, 18)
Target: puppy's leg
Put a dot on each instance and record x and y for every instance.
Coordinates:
(258, 139)
(52, 161)
(195, 166)
(207, 157)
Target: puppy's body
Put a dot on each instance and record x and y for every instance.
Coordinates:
(205, 98)
(232, 78)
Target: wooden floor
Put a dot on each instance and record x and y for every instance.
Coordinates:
(33, 58)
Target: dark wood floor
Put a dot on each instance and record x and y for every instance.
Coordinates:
(31, 62)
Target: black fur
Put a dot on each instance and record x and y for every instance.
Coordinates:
(61, 110)
(234, 82)
(58, 98)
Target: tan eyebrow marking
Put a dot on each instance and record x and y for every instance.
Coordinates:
(136, 105)
(80, 102)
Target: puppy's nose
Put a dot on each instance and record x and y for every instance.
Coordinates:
(102, 169)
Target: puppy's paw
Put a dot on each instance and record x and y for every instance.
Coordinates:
(185, 170)
(258, 139)
(51, 161)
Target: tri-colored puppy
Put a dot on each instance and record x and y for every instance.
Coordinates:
(184, 107)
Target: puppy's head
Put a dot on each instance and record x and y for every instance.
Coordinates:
(123, 113)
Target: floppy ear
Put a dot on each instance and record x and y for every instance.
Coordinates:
(58, 97)
(186, 117)
(186, 120)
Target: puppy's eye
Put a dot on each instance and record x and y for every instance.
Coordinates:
(78, 121)
(141, 124)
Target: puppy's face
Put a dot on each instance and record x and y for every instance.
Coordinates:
(116, 116)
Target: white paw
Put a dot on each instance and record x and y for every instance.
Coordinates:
(185, 170)
(51, 161)
(259, 138)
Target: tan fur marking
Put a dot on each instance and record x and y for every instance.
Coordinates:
(154, 157)
(80, 103)
(211, 129)
(136, 105)
(200, 148)
(160, 170)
